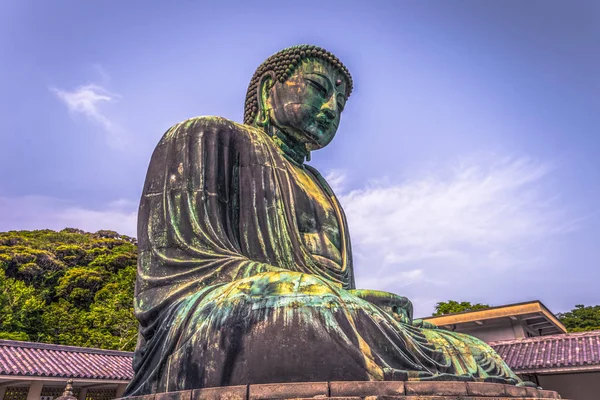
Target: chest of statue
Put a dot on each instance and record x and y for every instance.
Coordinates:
(316, 218)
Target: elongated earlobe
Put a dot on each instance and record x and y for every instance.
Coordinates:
(262, 116)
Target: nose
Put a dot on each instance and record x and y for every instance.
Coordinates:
(329, 108)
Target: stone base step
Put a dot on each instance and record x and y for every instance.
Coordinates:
(392, 390)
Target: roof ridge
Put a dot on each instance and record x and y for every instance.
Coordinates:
(61, 347)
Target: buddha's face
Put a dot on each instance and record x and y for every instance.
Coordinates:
(308, 105)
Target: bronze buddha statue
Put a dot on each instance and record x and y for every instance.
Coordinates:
(245, 268)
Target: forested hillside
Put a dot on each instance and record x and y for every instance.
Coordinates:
(68, 287)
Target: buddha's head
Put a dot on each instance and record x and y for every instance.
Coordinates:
(300, 91)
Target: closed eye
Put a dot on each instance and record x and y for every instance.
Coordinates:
(318, 86)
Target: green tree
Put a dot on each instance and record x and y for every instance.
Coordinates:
(79, 285)
(581, 318)
(70, 254)
(110, 314)
(452, 306)
(63, 323)
(20, 309)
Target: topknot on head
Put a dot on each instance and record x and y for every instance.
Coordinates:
(282, 64)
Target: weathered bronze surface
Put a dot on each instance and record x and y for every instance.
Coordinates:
(245, 269)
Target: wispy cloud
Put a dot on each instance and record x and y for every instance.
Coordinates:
(89, 100)
(473, 219)
(337, 179)
(40, 212)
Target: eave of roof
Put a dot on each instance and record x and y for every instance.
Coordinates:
(506, 311)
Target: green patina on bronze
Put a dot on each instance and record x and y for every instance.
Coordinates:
(281, 67)
(245, 268)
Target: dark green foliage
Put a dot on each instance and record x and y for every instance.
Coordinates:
(581, 318)
(20, 308)
(451, 307)
(80, 284)
(68, 287)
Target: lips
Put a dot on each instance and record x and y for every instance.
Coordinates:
(312, 137)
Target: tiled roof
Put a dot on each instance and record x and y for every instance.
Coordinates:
(552, 353)
(50, 360)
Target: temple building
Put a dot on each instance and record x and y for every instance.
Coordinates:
(536, 346)
(513, 321)
(527, 336)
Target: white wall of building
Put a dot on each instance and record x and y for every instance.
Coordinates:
(574, 386)
(495, 330)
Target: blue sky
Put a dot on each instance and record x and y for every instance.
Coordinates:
(468, 157)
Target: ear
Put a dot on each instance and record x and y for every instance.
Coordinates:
(265, 84)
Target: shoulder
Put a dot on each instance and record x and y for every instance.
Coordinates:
(219, 128)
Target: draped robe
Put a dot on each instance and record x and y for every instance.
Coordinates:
(227, 293)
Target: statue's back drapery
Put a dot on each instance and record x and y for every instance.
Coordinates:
(245, 272)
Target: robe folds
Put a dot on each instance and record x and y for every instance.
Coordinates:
(228, 294)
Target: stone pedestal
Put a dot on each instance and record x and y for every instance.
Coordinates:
(410, 390)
